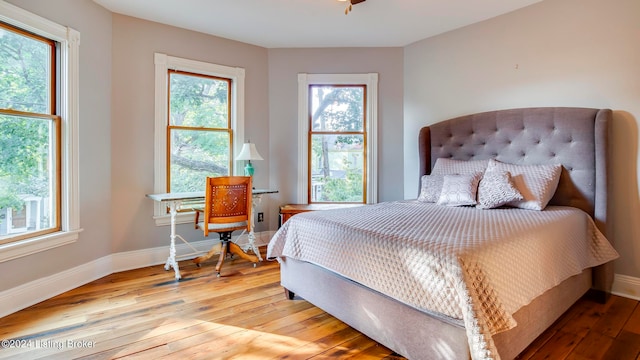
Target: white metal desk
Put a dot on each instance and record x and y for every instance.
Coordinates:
(174, 202)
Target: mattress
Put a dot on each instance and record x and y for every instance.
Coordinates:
(475, 266)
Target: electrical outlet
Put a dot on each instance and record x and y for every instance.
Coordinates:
(260, 217)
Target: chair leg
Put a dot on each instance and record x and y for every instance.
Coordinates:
(235, 249)
(223, 254)
(212, 251)
(206, 256)
(227, 247)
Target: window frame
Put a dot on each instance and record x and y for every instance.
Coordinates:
(164, 63)
(170, 128)
(313, 132)
(67, 91)
(50, 115)
(370, 81)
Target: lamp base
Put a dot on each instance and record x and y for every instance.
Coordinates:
(248, 169)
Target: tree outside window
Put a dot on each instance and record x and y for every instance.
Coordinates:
(337, 138)
(198, 126)
(199, 130)
(29, 136)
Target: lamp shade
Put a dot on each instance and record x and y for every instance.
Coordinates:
(249, 152)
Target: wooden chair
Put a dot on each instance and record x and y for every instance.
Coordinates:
(227, 208)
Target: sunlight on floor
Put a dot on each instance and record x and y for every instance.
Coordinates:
(195, 338)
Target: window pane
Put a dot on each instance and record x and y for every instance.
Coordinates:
(336, 108)
(196, 154)
(337, 168)
(198, 101)
(27, 181)
(25, 73)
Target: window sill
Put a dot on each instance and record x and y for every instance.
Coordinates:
(35, 245)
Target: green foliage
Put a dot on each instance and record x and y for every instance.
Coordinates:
(337, 109)
(8, 198)
(199, 103)
(24, 141)
(24, 73)
(23, 159)
(348, 189)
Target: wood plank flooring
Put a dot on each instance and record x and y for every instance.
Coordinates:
(146, 314)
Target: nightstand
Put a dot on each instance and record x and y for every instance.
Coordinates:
(288, 210)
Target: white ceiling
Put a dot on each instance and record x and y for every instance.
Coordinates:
(317, 23)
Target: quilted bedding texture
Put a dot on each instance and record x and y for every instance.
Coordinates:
(479, 266)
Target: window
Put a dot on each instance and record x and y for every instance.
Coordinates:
(199, 130)
(29, 133)
(38, 133)
(198, 125)
(337, 138)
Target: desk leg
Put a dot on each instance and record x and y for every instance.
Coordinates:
(252, 235)
(171, 261)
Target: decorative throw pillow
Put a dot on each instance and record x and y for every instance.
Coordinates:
(496, 189)
(536, 183)
(444, 166)
(430, 188)
(459, 190)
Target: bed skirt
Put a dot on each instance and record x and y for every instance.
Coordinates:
(413, 333)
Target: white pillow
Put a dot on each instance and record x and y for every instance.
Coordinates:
(430, 188)
(536, 183)
(459, 190)
(444, 166)
(496, 189)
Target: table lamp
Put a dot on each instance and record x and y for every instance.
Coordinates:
(249, 153)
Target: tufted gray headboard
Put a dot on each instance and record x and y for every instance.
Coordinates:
(573, 137)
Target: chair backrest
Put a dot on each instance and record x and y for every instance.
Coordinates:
(228, 200)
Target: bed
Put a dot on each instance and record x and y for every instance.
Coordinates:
(446, 280)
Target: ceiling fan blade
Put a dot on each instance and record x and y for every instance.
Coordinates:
(353, 2)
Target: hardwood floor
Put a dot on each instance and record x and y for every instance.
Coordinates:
(145, 313)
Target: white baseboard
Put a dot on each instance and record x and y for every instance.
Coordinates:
(140, 258)
(33, 292)
(626, 286)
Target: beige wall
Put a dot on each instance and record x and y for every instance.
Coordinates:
(554, 53)
(132, 140)
(284, 67)
(94, 24)
(117, 130)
